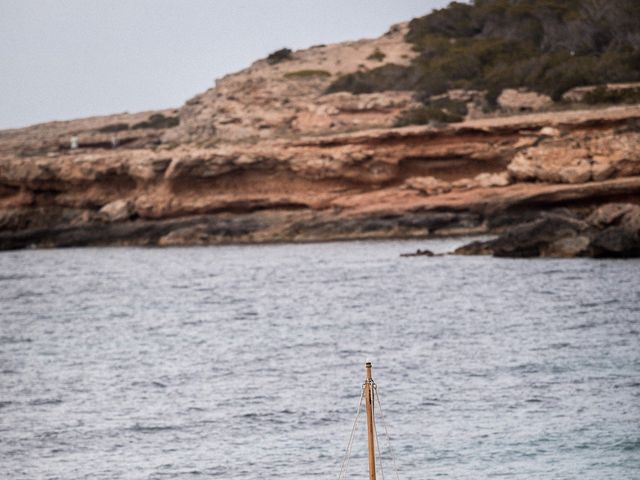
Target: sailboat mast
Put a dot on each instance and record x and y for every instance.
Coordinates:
(368, 396)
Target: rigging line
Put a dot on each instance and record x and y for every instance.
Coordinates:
(353, 433)
(386, 431)
(375, 429)
(345, 461)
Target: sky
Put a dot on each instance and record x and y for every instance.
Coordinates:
(64, 59)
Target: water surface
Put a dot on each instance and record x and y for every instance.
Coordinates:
(247, 362)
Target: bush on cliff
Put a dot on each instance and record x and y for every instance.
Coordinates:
(602, 94)
(279, 56)
(443, 110)
(386, 77)
(548, 46)
(425, 115)
(307, 74)
(157, 120)
(377, 55)
(114, 127)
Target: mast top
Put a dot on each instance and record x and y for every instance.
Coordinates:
(367, 367)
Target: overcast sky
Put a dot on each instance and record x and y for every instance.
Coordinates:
(63, 59)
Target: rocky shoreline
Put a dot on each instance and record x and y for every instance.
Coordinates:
(268, 156)
(610, 231)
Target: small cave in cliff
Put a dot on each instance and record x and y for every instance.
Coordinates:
(8, 191)
(448, 168)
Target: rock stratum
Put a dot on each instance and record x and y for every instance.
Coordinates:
(610, 231)
(267, 156)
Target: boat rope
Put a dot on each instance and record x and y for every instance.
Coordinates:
(345, 461)
(375, 429)
(386, 431)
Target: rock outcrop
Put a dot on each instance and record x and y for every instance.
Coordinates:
(520, 100)
(267, 156)
(612, 230)
(579, 157)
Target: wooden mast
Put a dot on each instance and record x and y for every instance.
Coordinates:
(368, 396)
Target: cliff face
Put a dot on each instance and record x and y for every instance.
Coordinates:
(266, 156)
(285, 99)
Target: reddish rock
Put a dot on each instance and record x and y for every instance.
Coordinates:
(117, 211)
(265, 155)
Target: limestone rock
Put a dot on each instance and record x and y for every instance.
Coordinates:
(610, 214)
(567, 246)
(612, 230)
(192, 235)
(265, 155)
(309, 121)
(616, 214)
(428, 185)
(526, 141)
(579, 172)
(521, 100)
(617, 242)
(270, 101)
(117, 211)
(464, 184)
(549, 132)
(579, 158)
(602, 169)
(487, 180)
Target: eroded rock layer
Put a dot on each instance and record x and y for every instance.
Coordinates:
(267, 156)
(612, 230)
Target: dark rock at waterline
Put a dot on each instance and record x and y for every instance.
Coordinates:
(612, 230)
(419, 253)
(53, 227)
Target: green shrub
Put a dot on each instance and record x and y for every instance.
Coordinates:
(307, 74)
(279, 56)
(114, 127)
(454, 107)
(425, 115)
(602, 94)
(377, 55)
(454, 21)
(157, 120)
(386, 77)
(547, 46)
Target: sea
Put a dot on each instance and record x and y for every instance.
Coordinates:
(247, 362)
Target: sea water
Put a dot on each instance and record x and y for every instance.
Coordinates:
(246, 362)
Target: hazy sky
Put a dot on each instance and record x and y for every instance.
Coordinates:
(62, 59)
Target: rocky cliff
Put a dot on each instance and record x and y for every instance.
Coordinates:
(267, 155)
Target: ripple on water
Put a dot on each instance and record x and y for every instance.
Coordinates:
(246, 362)
(153, 428)
(38, 402)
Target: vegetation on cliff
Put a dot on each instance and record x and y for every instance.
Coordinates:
(279, 56)
(548, 46)
(309, 73)
(602, 94)
(439, 110)
(157, 120)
